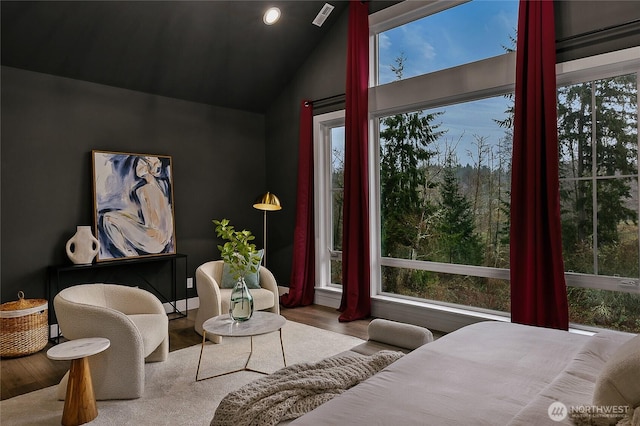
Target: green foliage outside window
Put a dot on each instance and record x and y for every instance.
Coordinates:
(445, 212)
(610, 107)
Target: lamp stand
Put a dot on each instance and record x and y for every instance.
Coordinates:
(264, 241)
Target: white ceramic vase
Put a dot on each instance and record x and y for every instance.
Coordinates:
(83, 247)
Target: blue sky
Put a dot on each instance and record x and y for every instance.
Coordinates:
(466, 33)
(462, 34)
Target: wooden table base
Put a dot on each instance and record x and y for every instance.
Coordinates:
(80, 402)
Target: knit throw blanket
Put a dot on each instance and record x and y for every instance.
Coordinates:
(297, 389)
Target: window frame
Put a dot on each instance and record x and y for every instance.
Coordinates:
(606, 65)
(322, 125)
(395, 16)
(480, 81)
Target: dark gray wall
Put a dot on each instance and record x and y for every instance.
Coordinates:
(322, 75)
(49, 127)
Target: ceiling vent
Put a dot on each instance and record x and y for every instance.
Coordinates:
(323, 14)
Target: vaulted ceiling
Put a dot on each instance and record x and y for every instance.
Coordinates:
(214, 52)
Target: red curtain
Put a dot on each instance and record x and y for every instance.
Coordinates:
(538, 289)
(302, 284)
(356, 297)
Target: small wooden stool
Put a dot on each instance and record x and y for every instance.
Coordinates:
(80, 402)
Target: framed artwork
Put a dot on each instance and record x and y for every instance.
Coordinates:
(133, 205)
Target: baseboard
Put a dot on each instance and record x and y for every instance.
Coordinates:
(282, 290)
(327, 296)
(182, 305)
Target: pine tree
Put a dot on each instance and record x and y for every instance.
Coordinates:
(404, 153)
(458, 240)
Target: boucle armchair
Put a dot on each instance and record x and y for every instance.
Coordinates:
(135, 322)
(214, 300)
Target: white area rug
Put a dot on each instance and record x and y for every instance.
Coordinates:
(172, 396)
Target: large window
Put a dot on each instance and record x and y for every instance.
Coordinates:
(444, 191)
(440, 164)
(447, 37)
(443, 154)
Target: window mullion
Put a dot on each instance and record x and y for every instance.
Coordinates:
(594, 174)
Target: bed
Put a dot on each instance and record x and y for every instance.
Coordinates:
(494, 373)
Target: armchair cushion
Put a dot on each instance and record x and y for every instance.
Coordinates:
(252, 279)
(262, 299)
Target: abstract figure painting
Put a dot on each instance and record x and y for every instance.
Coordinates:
(133, 205)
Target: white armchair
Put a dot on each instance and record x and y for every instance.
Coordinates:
(214, 300)
(135, 322)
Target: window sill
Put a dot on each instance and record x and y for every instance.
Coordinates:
(435, 317)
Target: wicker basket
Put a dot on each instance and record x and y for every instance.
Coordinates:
(23, 326)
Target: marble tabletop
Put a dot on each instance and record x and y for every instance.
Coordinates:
(259, 323)
(78, 348)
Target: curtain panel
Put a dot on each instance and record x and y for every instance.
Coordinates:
(538, 289)
(302, 283)
(356, 293)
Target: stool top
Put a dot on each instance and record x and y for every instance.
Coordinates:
(78, 348)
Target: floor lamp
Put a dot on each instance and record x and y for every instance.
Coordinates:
(267, 202)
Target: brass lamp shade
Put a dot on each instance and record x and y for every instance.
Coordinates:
(267, 202)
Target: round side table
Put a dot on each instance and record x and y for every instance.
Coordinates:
(80, 402)
(260, 323)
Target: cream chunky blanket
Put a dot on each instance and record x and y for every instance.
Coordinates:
(295, 390)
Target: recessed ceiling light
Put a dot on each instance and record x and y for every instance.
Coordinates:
(271, 16)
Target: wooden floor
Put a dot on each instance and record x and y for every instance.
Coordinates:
(29, 373)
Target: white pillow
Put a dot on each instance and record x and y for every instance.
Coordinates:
(619, 381)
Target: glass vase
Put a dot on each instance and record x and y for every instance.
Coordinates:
(241, 306)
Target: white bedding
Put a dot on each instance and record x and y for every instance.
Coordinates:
(489, 373)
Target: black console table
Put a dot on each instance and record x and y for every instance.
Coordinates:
(113, 270)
